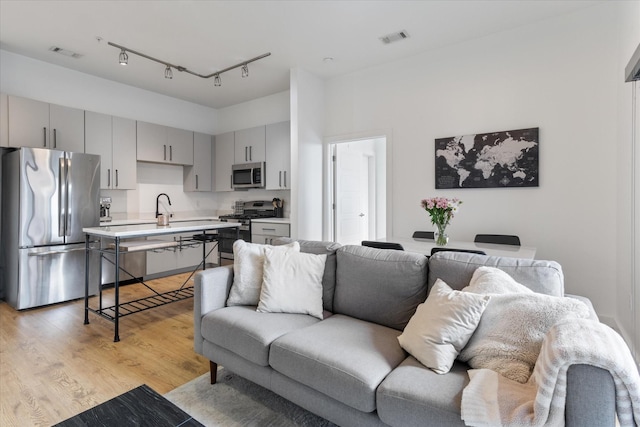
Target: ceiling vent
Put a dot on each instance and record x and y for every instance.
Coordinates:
(64, 52)
(394, 37)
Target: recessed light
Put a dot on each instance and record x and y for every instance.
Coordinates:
(327, 60)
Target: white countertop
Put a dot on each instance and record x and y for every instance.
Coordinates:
(131, 221)
(152, 229)
(273, 220)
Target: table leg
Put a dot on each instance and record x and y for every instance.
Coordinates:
(86, 279)
(116, 336)
(204, 250)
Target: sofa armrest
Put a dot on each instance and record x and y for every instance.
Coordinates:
(587, 302)
(591, 397)
(210, 292)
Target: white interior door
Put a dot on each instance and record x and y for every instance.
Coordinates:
(351, 195)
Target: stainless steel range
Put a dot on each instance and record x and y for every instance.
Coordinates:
(245, 212)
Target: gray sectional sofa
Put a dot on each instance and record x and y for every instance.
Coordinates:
(349, 367)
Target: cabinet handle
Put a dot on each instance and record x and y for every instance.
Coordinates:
(280, 179)
(44, 139)
(55, 139)
(171, 153)
(246, 158)
(165, 151)
(285, 179)
(250, 153)
(230, 181)
(108, 177)
(196, 181)
(117, 184)
(269, 229)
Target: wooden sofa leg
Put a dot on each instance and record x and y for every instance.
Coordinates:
(213, 367)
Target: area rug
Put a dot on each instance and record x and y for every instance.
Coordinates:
(234, 401)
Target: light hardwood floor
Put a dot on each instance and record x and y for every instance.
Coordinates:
(52, 366)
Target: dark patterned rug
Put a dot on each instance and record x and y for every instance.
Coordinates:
(138, 407)
(234, 402)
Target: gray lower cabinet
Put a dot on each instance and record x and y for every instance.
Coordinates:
(267, 232)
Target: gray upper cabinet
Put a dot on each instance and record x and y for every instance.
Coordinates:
(198, 176)
(162, 144)
(114, 139)
(250, 145)
(124, 154)
(223, 160)
(278, 156)
(39, 124)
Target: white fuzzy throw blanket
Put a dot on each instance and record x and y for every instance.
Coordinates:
(493, 400)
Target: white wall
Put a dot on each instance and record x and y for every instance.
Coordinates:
(559, 75)
(307, 125)
(628, 292)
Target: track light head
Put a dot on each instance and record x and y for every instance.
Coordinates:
(245, 71)
(124, 58)
(168, 73)
(217, 81)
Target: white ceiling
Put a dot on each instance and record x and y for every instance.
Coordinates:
(206, 36)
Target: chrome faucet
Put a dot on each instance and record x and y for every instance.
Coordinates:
(158, 200)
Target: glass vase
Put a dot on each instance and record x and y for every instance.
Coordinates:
(440, 235)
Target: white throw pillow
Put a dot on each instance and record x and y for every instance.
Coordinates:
(292, 283)
(509, 336)
(442, 325)
(248, 261)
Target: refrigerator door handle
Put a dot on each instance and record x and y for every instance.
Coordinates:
(47, 253)
(67, 215)
(62, 196)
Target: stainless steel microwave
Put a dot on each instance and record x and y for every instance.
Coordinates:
(248, 175)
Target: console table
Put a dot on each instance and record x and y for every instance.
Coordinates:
(143, 231)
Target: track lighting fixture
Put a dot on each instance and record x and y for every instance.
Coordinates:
(168, 72)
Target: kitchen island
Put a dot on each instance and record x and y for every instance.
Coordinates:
(143, 231)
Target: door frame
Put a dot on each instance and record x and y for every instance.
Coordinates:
(328, 181)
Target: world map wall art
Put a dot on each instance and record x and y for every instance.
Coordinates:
(488, 160)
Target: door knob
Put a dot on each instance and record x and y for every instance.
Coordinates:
(361, 215)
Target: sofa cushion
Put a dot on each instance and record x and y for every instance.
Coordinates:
(456, 269)
(442, 326)
(292, 283)
(329, 277)
(244, 331)
(413, 395)
(248, 271)
(379, 285)
(341, 357)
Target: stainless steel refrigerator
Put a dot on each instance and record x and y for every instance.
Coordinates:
(48, 197)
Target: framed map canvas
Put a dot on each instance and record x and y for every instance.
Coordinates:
(485, 160)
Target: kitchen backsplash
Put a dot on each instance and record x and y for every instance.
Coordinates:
(154, 179)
